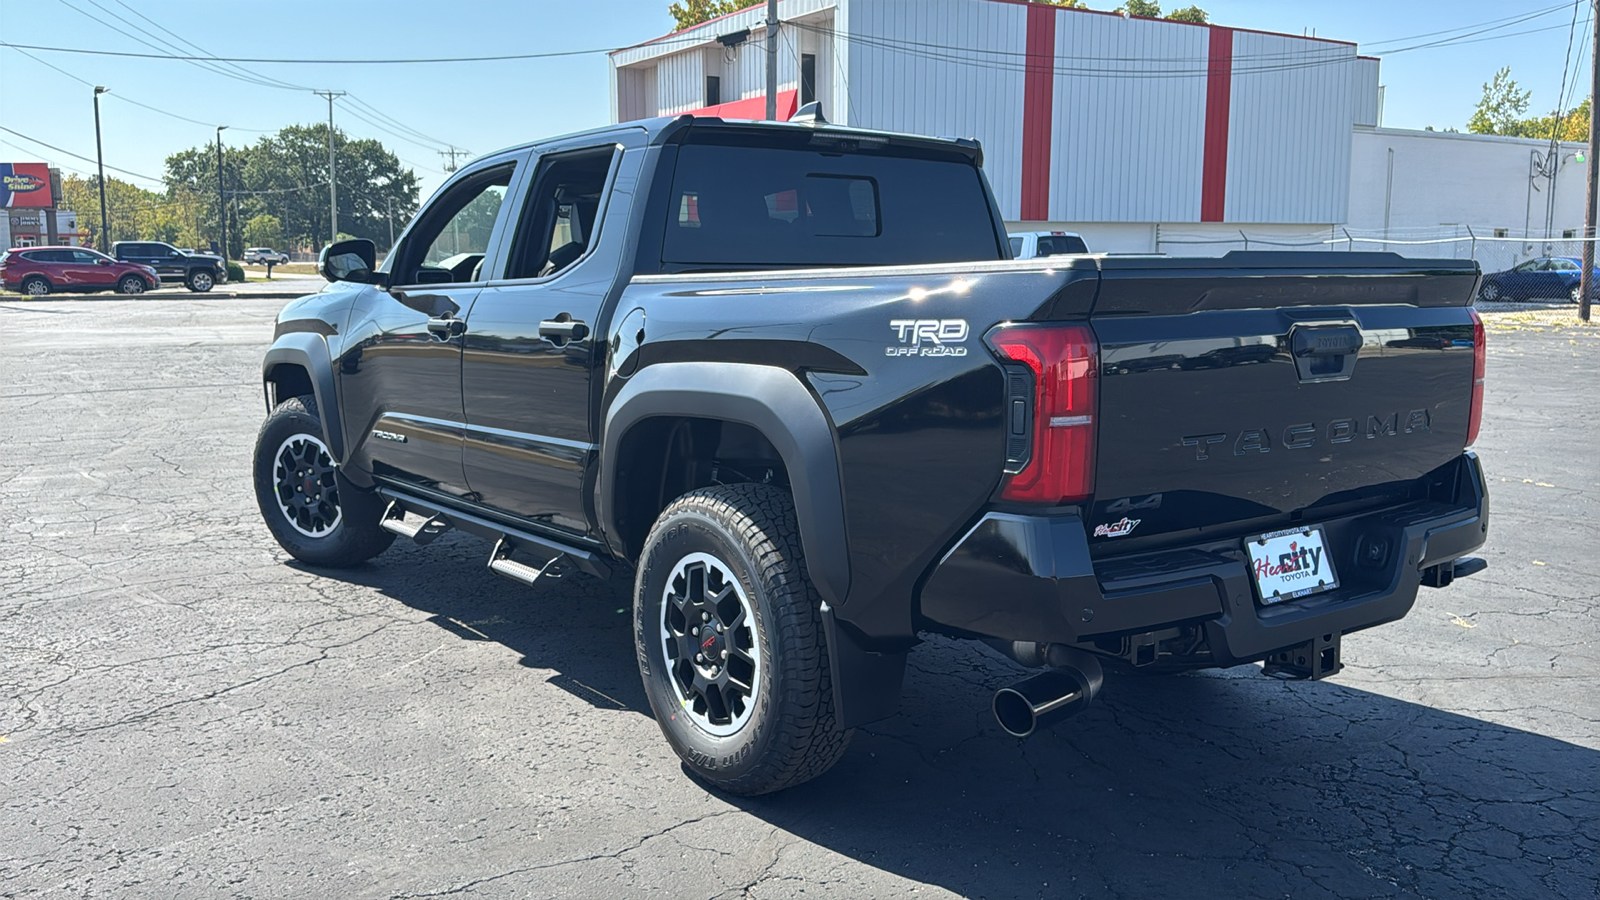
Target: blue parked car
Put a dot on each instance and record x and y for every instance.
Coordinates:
(1544, 277)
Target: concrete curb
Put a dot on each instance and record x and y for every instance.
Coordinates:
(155, 295)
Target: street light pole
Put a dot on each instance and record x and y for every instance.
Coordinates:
(222, 205)
(100, 161)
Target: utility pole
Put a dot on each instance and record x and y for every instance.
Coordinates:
(451, 155)
(772, 60)
(222, 205)
(1586, 280)
(333, 181)
(100, 161)
(455, 222)
(389, 202)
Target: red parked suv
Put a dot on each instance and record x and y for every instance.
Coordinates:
(40, 270)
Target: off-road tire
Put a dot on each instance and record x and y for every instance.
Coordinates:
(200, 281)
(131, 284)
(792, 734)
(36, 286)
(356, 537)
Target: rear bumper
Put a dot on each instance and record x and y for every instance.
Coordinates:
(1031, 578)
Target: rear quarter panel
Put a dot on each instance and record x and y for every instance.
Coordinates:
(895, 357)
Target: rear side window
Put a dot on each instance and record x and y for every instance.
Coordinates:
(1058, 244)
(745, 207)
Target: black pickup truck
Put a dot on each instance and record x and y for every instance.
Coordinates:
(199, 272)
(786, 378)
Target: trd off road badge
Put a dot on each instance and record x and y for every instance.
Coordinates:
(928, 337)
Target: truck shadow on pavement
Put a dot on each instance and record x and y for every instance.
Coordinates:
(1206, 785)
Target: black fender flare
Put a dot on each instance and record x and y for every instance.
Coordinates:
(309, 351)
(772, 401)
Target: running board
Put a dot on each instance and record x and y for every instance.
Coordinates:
(538, 545)
(424, 532)
(501, 563)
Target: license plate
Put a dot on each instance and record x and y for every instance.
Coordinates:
(1291, 563)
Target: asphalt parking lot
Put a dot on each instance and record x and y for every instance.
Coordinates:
(186, 713)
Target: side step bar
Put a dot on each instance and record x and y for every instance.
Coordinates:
(439, 518)
(501, 563)
(394, 520)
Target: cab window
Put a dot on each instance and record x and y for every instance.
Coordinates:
(561, 220)
(450, 240)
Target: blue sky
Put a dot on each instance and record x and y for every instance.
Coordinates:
(484, 106)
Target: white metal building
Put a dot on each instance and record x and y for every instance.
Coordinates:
(1142, 134)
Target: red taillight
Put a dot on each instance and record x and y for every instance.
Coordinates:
(1479, 360)
(1065, 361)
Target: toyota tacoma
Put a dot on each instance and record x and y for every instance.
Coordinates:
(786, 378)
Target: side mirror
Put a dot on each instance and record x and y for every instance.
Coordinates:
(352, 260)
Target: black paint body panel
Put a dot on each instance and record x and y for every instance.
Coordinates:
(895, 445)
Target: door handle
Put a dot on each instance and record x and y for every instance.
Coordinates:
(563, 328)
(445, 329)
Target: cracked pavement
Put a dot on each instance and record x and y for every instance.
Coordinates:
(185, 712)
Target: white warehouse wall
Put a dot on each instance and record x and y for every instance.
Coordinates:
(1444, 179)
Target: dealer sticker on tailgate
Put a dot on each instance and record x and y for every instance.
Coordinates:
(1290, 563)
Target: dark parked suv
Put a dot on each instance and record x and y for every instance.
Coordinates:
(43, 270)
(199, 272)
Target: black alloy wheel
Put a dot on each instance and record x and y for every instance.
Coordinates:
(728, 632)
(309, 506)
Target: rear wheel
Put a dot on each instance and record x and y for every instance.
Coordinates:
(1576, 294)
(728, 631)
(36, 286)
(131, 284)
(201, 281)
(1490, 291)
(314, 512)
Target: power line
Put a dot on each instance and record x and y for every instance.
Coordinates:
(153, 44)
(1505, 19)
(126, 99)
(201, 49)
(396, 122)
(428, 60)
(89, 159)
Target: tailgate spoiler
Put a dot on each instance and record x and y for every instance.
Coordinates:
(1254, 279)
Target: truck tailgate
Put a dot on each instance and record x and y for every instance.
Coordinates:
(1263, 390)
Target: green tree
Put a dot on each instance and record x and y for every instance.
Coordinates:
(285, 175)
(1501, 107)
(688, 13)
(263, 230)
(1145, 8)
(1189, 14)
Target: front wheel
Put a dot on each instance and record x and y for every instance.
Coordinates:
(131, 284)
(201, 281)
(728, 630)
(314, 512)
(1576, 294)
(1490, 291)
